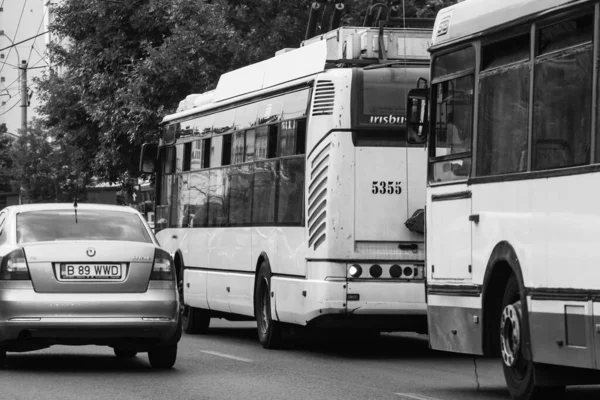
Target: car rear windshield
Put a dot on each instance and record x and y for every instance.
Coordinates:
(51, 225)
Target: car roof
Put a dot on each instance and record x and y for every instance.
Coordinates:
(68, 206)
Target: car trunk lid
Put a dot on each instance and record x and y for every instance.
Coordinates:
(89, 266)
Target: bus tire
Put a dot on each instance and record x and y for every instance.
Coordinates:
(270, 332)
(518, 371)
(195, 320)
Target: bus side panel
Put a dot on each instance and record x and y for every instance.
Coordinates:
(194, 288)
(241, 293)
(454, 323)
(264, 240)
(228, 251)
(562, 332)
(323, 292)
(290, 257)
(197, 252)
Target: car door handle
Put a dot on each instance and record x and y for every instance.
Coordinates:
(174, 237)
(474, 218)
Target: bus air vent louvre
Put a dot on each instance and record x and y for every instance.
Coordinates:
(317, 197)
(324, 98)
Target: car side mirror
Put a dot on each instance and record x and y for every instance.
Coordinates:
(417, 115)
(148, 158)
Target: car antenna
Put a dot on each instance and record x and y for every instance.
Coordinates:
(75, 203)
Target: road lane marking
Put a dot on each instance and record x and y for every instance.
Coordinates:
(214, 353)
(416, 396)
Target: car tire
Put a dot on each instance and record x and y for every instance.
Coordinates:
(163, 357)
(270, 332)
(2, 358)
(125, 353)
(518, 371)
(195, 320)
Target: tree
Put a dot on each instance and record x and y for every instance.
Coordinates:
(7, 183)
(47, 169)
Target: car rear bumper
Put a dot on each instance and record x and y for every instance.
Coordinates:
(87, 318)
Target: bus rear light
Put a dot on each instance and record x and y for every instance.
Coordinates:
(395, 271)
(355, 270)
(408, 272)
(375, 270)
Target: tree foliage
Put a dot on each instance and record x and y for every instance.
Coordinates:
(125, 64)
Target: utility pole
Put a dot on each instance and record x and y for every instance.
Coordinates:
(24, 96)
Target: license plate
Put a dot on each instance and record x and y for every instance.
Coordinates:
(91, 271)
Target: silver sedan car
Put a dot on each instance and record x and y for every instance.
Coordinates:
(86, 274)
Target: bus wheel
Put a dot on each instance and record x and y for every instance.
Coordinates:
(194, 320)
(270, 332)
(518, 372)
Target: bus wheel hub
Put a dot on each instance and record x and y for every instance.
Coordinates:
(510, 334)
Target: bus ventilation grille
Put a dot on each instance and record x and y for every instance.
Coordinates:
(317, 197)
(324, 98)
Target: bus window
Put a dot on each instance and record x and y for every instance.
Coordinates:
(272, 149)
(226, 155)
(250, 139)
(262, 142)
(502, 143)
(240, 195)
(462, 60)
(295, 104)
(196, 155)
(566, 34)
(290, 196)
(454, 107)
(287, 144)
(245, 116)
(216, 149)
(563, 97)
(223, 122)
(217, 197)
(264, 188)
(198, 202)
(238, 147)
(199, 126)
(206, 150)
(270, 110)
(301, 136)
(169, 157)
(453, 127)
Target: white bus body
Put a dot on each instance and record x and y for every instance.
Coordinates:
(512, 220)
(359, 179)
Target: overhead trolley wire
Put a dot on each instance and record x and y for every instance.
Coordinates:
(15, 36)
(38, 31)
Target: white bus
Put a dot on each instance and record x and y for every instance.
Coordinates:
(514, 162)
(283, 194)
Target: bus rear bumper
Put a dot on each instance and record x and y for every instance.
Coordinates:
(383, 305)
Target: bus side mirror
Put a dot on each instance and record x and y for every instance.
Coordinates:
(148, 158)
(417, 115)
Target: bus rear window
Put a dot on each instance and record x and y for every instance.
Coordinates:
(382, 95)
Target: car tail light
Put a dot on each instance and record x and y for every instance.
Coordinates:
(163, 268)
(14, 266)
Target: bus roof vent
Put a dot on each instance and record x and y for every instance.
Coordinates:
(324, 98)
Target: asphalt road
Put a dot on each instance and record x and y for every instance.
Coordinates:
(229, 363)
